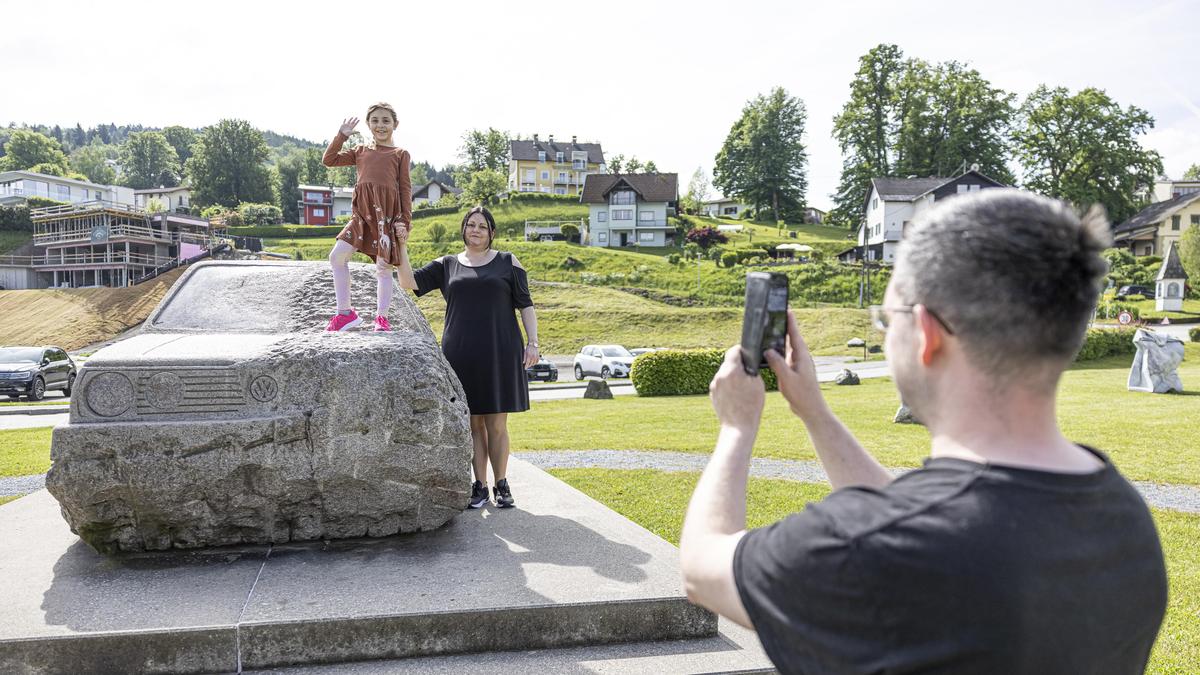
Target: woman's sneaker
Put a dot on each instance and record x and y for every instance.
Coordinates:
(479, 495)
(503, 495)
(382, 325)
(341, 322)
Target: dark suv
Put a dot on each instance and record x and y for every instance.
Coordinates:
(32, 371)
(1144, 291)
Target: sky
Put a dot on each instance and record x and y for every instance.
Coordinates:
(662, 81)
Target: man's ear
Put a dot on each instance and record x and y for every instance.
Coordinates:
(931, 335)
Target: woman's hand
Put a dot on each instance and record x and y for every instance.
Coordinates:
(348, 125)
(531, 355)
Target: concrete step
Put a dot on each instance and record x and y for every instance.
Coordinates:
(559, 571)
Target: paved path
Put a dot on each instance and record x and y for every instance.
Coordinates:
(1178, 497)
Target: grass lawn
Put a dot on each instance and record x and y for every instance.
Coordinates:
(657, 501)
(5, 500)
(24, 452)
(1149, 437)
(53, 400)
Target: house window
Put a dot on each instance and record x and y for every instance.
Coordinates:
(623, 198)
(646, 236)
(646, 215)
(975, 188)
(602, 237)
(560, 190)
(541, 155)
(558, 157)
(1196, 220)
(530, 175)
(562, 176)
(64, 192)
(874, 204)
(622, 214)
(1175, 222)
(730, 211)
(602, 217)
(318, 213)
(961, 189)
(545, 175)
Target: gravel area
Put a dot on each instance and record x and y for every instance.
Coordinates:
(1164, 496)
(21, 485)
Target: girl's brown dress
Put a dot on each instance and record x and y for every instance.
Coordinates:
(382, 196)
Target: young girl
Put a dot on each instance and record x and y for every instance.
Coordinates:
(382, 203)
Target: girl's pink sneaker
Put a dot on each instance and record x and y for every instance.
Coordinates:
(341, 322)
(382, 325)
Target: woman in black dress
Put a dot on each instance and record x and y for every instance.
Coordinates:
(481, 339)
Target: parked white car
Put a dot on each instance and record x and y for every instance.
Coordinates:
(603, 360)
(638, 351)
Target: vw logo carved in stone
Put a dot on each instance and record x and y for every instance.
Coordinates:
(263, 388)
(164, 391)
(109, 394)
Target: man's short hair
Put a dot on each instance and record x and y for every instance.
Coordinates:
(1015, 275)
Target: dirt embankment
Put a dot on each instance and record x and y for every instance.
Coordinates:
(76, 317)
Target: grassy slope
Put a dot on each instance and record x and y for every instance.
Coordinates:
(10, 241)
(658, 501)
(1150, 437)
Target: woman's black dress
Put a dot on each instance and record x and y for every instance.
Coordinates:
(481, 339)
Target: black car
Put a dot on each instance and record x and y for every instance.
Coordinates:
(32, 371)
(1144, 291)
(542, 370)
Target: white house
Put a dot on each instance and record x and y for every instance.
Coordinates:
(432, 192)
(176, 199)
(17, 186)
(892, 203)
(1166, 189)
(630, 209)
(723, 208)
(1152, 230)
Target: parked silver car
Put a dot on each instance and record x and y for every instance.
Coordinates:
(603, 360)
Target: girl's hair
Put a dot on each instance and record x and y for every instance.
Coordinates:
(380, 106)
(487, 215)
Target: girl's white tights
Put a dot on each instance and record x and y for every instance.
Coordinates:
(339, 260)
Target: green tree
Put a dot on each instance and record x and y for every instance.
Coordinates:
(312, 171)
(289, 169)
(763, 159)
(437, 232)
(693, 201)
(418, 174)
(1084, 148)
(1189, 254)
(616, 163)
(148, 161)
(93, 162)
(650, 167)
(485, 149)
(26, 149)
(483, 187)
(182, 139)
(228, 165)
(633, 165)
(1193, 172)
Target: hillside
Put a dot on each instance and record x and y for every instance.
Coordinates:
(77, 317)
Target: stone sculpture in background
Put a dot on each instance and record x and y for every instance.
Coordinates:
(1156, 363)
(232, 418)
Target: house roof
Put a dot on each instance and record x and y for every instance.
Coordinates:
(1156, 213)
(12, 175)
(1172, 267)
(651, 187)
(528, 150)
(423, 191)
(908, 189)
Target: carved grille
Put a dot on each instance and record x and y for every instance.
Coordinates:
(202, 390)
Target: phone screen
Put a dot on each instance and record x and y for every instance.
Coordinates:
(775, 336)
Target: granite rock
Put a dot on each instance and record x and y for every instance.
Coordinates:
(233, 418)
(846, 377)
(597, 389)
(904, 415)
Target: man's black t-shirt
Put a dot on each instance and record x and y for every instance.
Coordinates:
(960, 567)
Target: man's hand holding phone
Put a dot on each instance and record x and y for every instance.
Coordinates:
(797, 375)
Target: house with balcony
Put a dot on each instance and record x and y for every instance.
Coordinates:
(102, 243)
(174, 199)
(321, 204)
(1152, 230)
(892, 203)
(552, 167)
(17, 186)
(1166, 189)
(630, 209)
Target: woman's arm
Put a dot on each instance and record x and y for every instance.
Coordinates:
(532, 351)
(404, 270)
(335, 156)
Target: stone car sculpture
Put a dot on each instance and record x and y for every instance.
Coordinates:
(233, 418)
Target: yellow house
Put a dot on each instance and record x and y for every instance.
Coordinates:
(1152, 230)
(552, 167)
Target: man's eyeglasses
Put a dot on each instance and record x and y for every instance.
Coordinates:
(879, 316)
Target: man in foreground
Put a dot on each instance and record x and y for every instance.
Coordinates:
(1013, 550)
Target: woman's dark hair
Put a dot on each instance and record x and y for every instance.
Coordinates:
(487, 215)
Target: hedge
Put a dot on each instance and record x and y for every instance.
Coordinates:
(285, 231)
(1099, 343)
(541, 197)
(681, 372)
(15, 218)
(438, 211)
(1194, 334)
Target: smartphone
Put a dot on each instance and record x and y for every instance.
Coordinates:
(764, 322)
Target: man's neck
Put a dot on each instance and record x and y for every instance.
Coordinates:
(1016, 428)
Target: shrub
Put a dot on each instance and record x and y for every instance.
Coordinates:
(285, 231)
(1109, 309)
(569, 231)
(234, 219)
(673, 258)
(437, 232)
(1194, 334)
(570, 263)
(259, 214)
(706, 237)
(36, 202)
(437, 211)
(541, 197)
(15, 218)
(298, 255)
(213, 212)
(681, 372)
(729, 259)
(1099, 343)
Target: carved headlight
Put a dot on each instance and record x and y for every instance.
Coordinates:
(109, 394)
